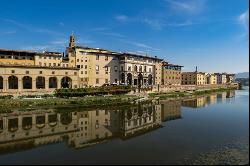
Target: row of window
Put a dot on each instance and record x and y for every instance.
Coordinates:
(53, 64)
(136, 69)
(17, 57)
(41, 72)
(49, 57)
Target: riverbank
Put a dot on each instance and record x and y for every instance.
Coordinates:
(6, 105)
(188, 93)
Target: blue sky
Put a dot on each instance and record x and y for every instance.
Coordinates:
(212, 34)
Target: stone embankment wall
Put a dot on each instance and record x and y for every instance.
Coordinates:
(182, 88)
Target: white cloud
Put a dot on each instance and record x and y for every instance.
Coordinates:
(61, 24)
(30, 28)
(188, 6)
(121, 18)
(244, 19)
(8, 33)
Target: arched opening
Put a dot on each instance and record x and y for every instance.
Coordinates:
(27, 123)
(52, 120)
(140, 110)
(140, 79)
(27, 82)
(150, 79)
(123, 78)
(66, 118)
(53, 82)
(40, 121)
(40, 83)
(66, 82)
(129, 115)
(13, 82)
(13, 124)
(1, 126)
(1, 82)
(129, 79)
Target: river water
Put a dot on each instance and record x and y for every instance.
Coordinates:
(210, 129)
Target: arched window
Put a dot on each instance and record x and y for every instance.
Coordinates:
(13, 82)
(150, 79)
(123, 78)
(1, 82)
(129, 78)
(40, 83)
(66, 82)
(27, 82)
(53, 82)
(136, 68)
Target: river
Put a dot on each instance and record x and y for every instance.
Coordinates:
(211, 129)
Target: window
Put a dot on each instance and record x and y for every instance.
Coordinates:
(54, 64)
(106, 81)
(106, 58)
(40, 63)
(53, 72)
(75, 73)
(81, 66)
(97, 68)
(78, 60)
(106, 68)
(86, 72)
(44, 57)
(122, 69)
(41, 72)
(27, 72)
(129, 68)
(78, 66)
(45, 64)
(12, 71)
(145, 68)
(97, 57)
(81, 72)
(86, 66)
(97, 81)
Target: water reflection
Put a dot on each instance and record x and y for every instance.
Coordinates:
(25, 130)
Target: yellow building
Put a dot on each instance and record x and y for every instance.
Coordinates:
(171, 74)
(193, 78)
(98, 67)
(211, 78)
(25, 72)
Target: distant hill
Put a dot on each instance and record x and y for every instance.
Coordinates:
(242, 75)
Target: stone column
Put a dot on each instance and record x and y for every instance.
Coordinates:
(20, 84)
(20, 122)
(59, 83)
(5, 84)
(46, 83)
(33, 84)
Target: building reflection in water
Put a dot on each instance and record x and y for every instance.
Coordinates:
(25, 130)
(204, 101)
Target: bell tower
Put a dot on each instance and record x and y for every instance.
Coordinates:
(72, 43)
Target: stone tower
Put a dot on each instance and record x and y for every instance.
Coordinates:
(72, 43)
